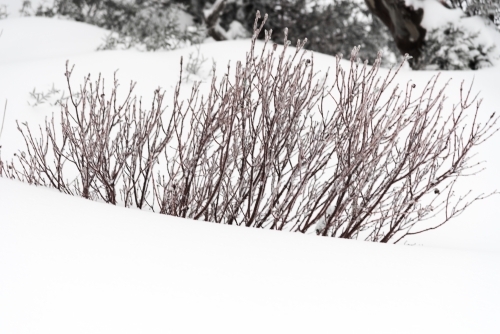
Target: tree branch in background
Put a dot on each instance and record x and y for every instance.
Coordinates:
(212, 15)
(404, 22)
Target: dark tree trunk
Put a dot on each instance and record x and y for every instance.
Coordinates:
(214, 30)
(404, 23)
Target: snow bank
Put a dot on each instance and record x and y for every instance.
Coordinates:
(35, 38)
(68, 265)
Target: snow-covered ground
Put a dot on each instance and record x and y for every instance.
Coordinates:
(68, 265)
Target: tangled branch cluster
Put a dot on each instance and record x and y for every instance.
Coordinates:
(270, 146)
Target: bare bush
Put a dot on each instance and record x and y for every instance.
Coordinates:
(195, 63)
(3, 119)
(272, 145)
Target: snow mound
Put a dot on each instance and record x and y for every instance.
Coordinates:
(69, 265)
(20, 41)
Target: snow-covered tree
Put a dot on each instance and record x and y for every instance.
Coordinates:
(486, 8)
(435, 34)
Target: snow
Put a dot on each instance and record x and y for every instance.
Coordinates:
(68, 265)
(72, 265)
(21, 34)
(14, 6)
(436, 16)
(236, 31)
